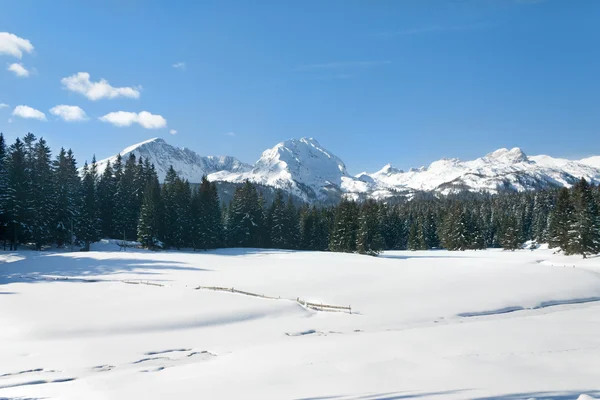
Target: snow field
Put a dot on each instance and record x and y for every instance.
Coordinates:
(431, 324)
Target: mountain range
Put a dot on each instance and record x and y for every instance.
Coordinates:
(306, 170)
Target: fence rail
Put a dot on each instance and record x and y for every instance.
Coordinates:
(140, 282)
(314, 306)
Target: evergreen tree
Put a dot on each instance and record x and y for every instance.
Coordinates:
(168, 229)
(42, 194)
(18, 193)
(244, 217)
(126, 201)
(345, 226)
(291, 225)
(277, 221)
(149, 222)
(107, 188)
(88, 227)
(560, 221)
(67, 194)
(511, 233)
(368, 238)
(584, 232)
(3, 191)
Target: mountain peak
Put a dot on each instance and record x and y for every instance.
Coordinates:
(512, 156)
(388, 169)
(140, 144)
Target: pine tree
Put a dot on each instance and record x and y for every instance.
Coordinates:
(368, 238)
(560, 221)
(3, 191)
(18, 193)
(42, 194)
(107, 189)
(277, 220)
(168, 229)
(584, 232)
(345, 226)
(149, 222)
(126, 202)
(88, 227)
(206, 220)
(244, 217)
(511, 233)
(67, 191)
(291, 225)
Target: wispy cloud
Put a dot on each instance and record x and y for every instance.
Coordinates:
(69, 113)
(144, 119)
(342, 65)
(81, 83)
(28, 113)
(232, 134)
(173, 132)
(19, 70)
(3, 105)
(12, 45)
(437, 29)
(179, 65)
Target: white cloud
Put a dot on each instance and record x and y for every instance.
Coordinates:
(69, 113)
(232, 134)
(173, 132)
(80, 83)
(11, 44)
(28, 113)
(145, 119)
(3, 105)
(179, 65)
(19, 70)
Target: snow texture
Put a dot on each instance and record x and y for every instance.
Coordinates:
(424, 324)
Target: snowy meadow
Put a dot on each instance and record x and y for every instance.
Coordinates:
(424, 324)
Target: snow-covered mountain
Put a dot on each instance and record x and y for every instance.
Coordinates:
(304, 168)
(501, 169)
(187, 163)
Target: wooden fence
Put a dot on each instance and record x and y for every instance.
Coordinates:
(314, 306)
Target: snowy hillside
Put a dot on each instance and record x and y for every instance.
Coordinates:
(305, 169)
(424, 325)
(501, 169)
(188, 164)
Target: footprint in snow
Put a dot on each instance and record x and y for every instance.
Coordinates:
(103, 368)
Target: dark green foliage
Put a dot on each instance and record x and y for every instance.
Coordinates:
(107, 187)
(345, 227)
(150, 214)
(88, 224)
(67, 199)
(368, 238)
(245, 217)
(584, 232)
(560, 221)
(41, 200)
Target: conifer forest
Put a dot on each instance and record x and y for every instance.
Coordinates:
(46, 200)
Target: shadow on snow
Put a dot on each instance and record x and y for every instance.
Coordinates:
(39, 267)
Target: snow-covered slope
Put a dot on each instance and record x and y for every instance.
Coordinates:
(304, 168)
(425, 325)
(307, 170)
(188, 164)
(501, 169)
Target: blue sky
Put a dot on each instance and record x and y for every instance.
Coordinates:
(405, 82)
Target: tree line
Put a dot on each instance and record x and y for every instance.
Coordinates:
(45, 201)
